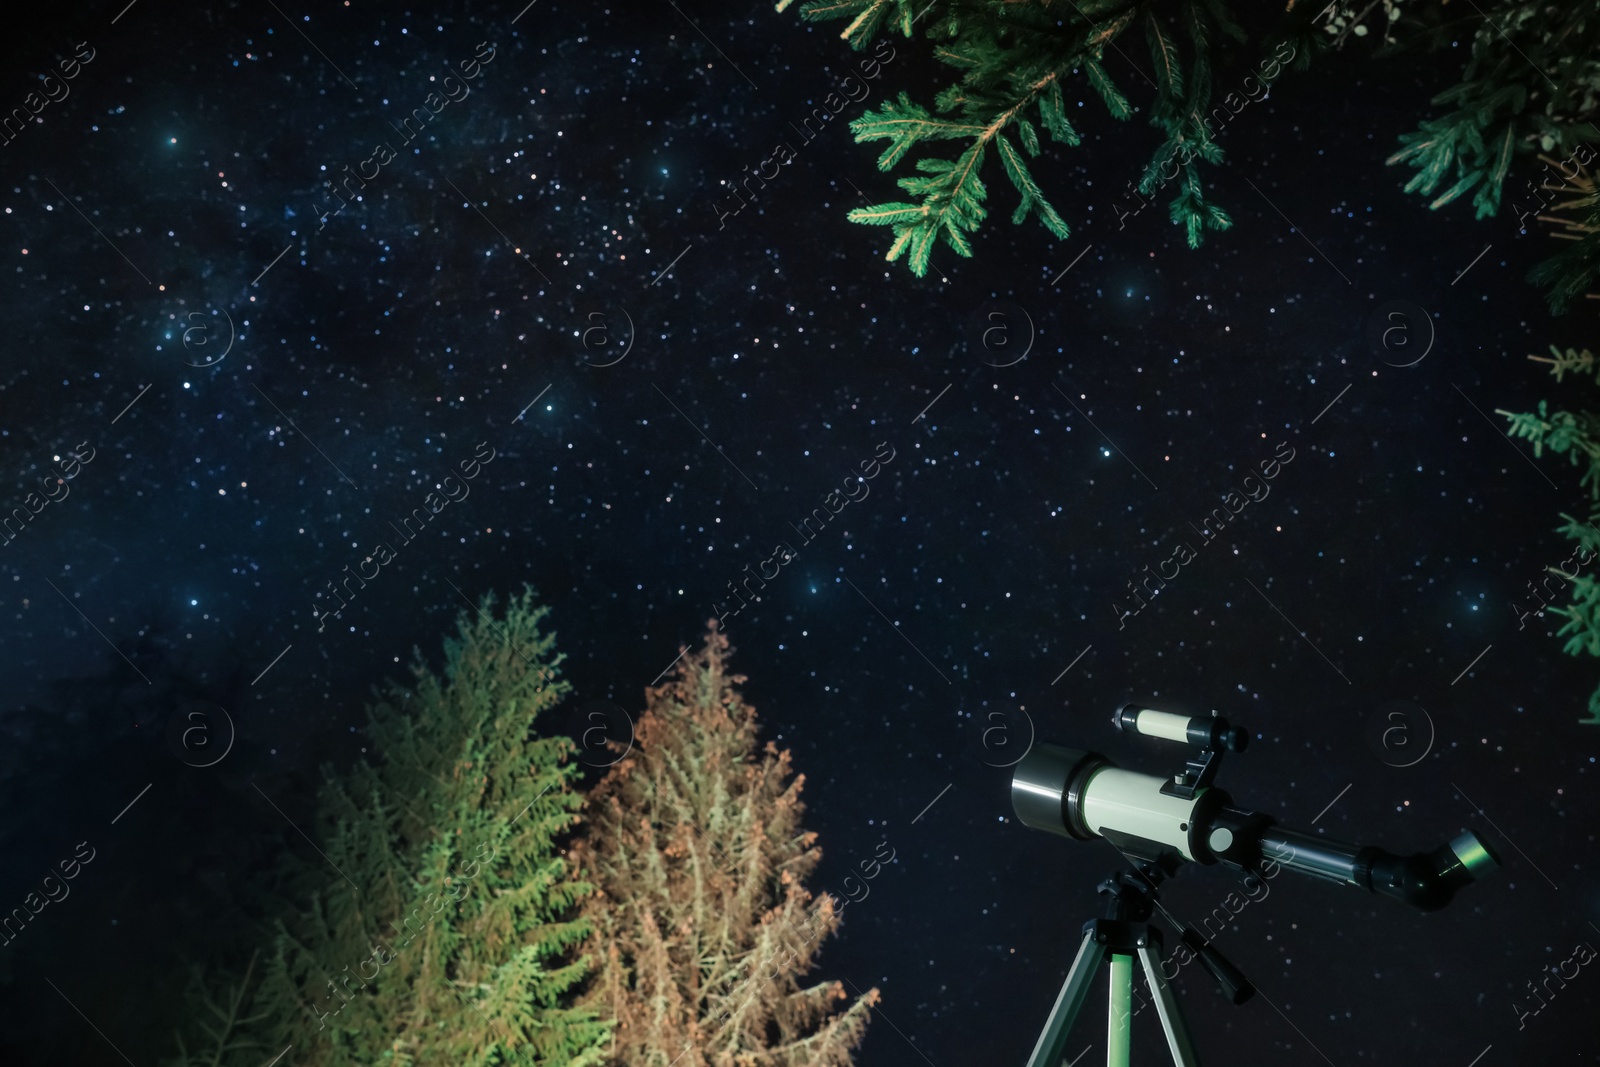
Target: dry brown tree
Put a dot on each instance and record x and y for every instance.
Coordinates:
(704, 927)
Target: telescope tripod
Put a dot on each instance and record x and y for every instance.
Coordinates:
(1125, 933)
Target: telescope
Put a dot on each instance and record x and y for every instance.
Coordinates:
(1083, 795)
(1158, 824)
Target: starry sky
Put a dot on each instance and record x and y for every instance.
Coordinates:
(265, 375)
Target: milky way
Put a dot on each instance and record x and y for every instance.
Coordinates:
(282, 297)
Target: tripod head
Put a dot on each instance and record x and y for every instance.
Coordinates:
(1134, 899)
(1119, 939)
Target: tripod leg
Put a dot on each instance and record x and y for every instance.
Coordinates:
(1183, 1054)
(1120, 1017)
(1053, 1039)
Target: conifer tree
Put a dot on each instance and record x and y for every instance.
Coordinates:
(1577, 436)
(438, 924)
(704, 925)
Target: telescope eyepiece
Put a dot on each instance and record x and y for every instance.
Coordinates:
(1430, 880)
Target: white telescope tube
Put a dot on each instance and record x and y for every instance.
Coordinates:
(1133, 803)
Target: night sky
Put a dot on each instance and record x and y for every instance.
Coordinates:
(264, 384)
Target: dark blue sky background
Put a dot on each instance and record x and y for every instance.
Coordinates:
(768, 359)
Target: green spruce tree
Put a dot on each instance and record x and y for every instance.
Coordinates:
(705, 927)
(437, 923)
(1575, 435)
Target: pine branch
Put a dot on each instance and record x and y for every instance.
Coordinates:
(1530, 82)
(1571, 361)
(1573, 434)
(230, 1026)
(1032, 199)
(952, 205)
(1011, 59)
(1576, 434)
(904, 124)
(866, 16)
(1574, 272)
(1110, 95)
(1164, 54)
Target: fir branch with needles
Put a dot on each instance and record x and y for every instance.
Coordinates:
(1017, 61)
(221, 1023)
(1576, 435)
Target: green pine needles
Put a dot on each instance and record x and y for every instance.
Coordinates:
(437, 920)
(221, 1026)
(952, 192)
(1015, 61)
(1577, 436)
(444, 916)
(1531, 83)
